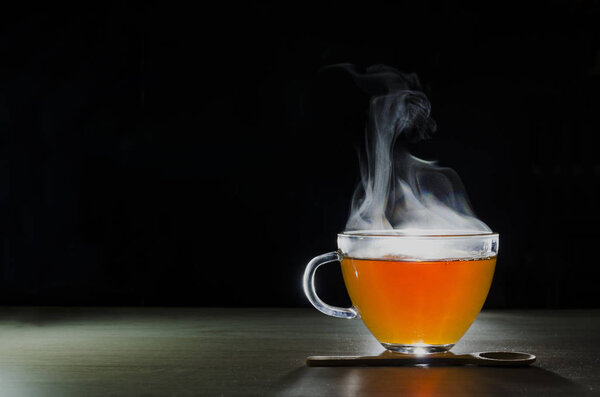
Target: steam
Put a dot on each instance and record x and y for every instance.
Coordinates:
(397, 189)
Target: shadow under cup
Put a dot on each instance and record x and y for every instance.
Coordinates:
(416, 293)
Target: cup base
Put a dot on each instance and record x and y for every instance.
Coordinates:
(418, 349)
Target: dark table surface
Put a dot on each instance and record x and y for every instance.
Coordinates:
(246, 352)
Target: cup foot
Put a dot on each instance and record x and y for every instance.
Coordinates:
(417, 349)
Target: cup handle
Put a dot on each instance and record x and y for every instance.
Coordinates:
(311, 294)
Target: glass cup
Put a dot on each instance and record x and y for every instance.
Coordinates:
(416, 293)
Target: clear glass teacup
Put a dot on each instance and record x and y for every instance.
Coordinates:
(417, 293)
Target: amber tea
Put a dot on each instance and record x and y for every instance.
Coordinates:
(418, 302)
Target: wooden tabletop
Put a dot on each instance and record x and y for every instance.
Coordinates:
(258, 352)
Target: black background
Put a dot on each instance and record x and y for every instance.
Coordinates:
(156, 154)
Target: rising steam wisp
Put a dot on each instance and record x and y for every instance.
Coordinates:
(398, 191)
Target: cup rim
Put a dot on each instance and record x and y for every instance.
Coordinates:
(398, 233)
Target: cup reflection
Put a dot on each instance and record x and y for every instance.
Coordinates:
(423, 382)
